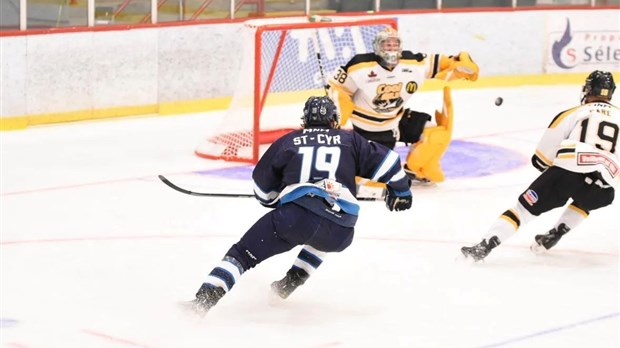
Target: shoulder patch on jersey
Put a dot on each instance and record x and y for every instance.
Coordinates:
(362, 58)
(414, 56)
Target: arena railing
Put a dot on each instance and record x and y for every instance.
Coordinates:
(29, 15)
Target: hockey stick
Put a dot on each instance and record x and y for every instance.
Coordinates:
(202, 194)
(317, 49)
(228, 195)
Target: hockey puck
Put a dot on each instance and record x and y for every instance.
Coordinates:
(499, 101)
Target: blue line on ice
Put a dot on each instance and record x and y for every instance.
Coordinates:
(551, 331)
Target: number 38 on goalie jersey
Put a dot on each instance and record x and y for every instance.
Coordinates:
(583, 139)
(324, 162)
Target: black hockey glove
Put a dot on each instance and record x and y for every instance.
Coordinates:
(539, 164)
(397, 200)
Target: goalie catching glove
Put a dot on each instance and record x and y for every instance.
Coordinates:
(398, 200)
(458, 67)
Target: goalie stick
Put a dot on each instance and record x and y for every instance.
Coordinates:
(317, 48)
(229, 195)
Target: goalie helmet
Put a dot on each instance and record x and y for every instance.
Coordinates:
(320, 112)
(598, 84)
(390, 54)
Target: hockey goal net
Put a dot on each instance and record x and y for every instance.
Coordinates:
(280, 70)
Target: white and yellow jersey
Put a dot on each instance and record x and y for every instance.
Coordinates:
(583, 139)
(378, 94)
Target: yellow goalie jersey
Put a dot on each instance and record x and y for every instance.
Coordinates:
(373, 96)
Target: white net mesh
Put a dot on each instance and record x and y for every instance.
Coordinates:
(289, 72)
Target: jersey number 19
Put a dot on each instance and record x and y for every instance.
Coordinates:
(607, 132)
(324, 159)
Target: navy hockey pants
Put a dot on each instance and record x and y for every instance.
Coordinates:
(285, 227)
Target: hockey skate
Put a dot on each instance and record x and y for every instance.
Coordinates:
(291, 281)
(544, 242)
(481, 250)
(207, 296)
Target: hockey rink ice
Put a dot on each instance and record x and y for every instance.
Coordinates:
(97, 252)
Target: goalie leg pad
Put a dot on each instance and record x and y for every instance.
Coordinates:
(369, 189)
(361, 181)
(424, 156)
(411, 126)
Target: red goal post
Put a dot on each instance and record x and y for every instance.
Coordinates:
(285, 61)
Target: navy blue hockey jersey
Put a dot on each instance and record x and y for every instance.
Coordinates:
(323, 162)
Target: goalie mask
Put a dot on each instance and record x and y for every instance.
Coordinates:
(320, 112)
(598, 84)
(387, 45)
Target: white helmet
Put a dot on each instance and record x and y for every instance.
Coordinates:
(390, 57)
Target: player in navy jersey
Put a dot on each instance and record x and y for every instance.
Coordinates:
(578, 158)
(308, 178)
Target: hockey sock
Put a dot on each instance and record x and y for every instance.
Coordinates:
(309, 259)
(572, 216)
(225, 274)
(509, 222)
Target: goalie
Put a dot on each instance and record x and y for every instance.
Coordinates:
(373, 88)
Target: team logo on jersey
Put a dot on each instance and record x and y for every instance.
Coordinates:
(407, 70)
(372, 77)
(388, 97)
(531, 197)
(411, 87)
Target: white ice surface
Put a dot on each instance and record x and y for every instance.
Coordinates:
(96, 252)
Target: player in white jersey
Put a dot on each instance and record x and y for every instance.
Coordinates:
(578, 157)
(372, 90)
